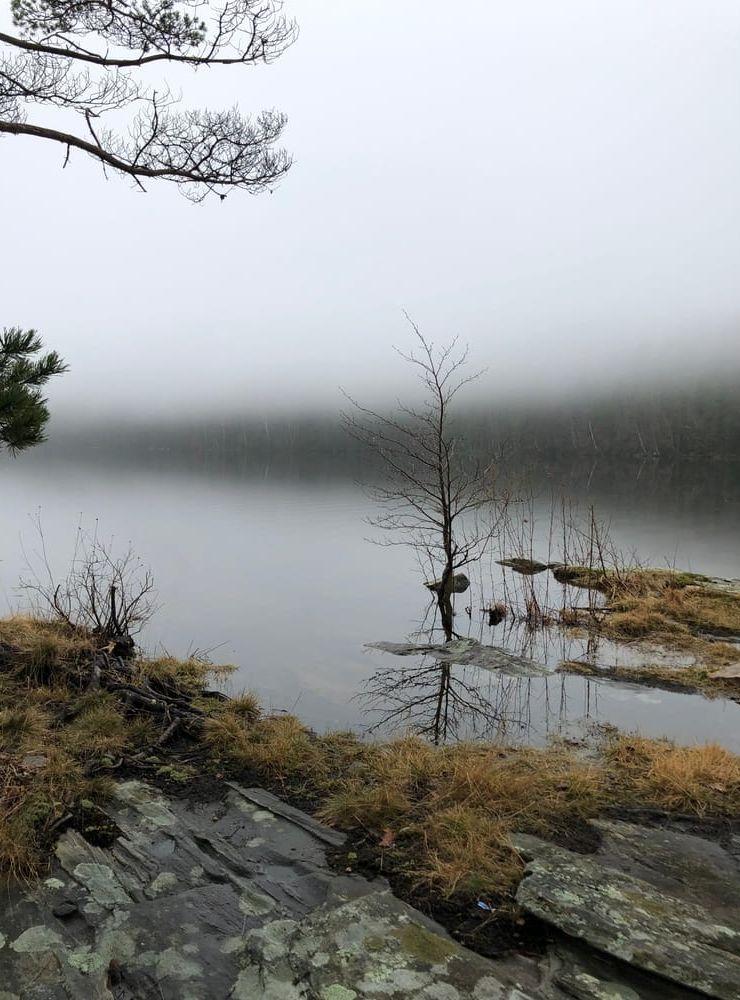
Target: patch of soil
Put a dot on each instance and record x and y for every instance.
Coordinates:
(179, 770)
(93, 823)
(581, 837)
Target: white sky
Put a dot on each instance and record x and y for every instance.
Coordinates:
(559, 183)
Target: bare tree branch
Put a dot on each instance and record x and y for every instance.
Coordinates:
(81, 57)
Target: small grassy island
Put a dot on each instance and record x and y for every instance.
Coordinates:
(690, 619)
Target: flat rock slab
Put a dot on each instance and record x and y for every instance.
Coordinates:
(228, 900)
(663, 902)
(680, 864)
(467, 652)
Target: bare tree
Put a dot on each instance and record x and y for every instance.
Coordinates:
(434, 498)
(84, 62)
(108, 594)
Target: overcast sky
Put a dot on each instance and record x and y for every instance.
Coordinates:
(559, 183)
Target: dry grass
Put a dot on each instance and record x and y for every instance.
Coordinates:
(189, 674)
(44, 651)
(55, 736)
(277, 747)
(442, 817)
(33, 802)
(650, 602)
(701, 780)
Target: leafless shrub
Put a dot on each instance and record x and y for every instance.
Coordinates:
(110, 594)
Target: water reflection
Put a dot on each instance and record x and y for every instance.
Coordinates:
(444, 701)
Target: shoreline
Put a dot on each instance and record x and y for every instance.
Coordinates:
(480, 839)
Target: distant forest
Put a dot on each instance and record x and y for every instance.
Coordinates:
(697, 425)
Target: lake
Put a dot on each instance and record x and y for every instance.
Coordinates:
(274, 572)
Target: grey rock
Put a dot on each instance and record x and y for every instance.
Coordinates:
(225, 900)
(692, 868)
(34, 761)
(692, 939)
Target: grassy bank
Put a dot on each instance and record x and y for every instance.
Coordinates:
(437, 820)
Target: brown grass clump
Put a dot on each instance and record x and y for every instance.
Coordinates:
(33, 801)
(278, 747)
(641, 619)
(658, 602)
(719, 654)
(468, 853)
(246, 705)
(704, 608)
(23, 728)
(100, 729)
(59, 731)
(189, 674)
(454, 808)
(701, 780)
(43, 651)
(47, 768)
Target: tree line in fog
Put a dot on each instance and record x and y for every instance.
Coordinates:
(701, 423)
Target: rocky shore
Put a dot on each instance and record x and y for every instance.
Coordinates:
(237, 899)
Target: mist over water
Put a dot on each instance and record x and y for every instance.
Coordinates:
(559, 185)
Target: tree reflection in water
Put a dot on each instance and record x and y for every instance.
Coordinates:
(445, 701)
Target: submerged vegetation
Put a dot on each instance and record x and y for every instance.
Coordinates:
(437, 820)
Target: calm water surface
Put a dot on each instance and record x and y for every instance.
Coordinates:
(276, 575)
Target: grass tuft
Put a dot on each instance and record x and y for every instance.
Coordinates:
(702, 780)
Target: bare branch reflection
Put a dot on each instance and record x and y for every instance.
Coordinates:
(443, 701)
